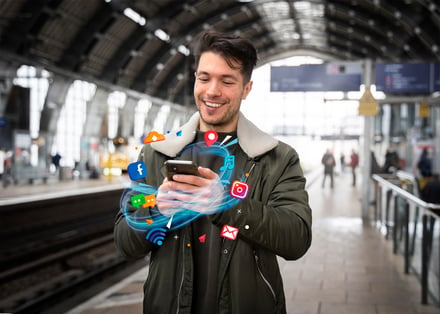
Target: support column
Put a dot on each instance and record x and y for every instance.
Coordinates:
(436, 154)
(55, 100)
(126, 118)
(366, 150)
(8, 71)
(90, 140)
(151, 116)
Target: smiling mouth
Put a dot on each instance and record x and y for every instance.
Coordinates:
(212, 104)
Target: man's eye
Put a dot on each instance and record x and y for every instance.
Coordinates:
(228, 82)
(203, 79)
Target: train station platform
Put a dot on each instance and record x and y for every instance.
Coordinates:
(55, 188)
(349, 269)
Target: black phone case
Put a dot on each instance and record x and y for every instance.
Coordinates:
(180, 167)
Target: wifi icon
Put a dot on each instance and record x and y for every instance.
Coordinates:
(156, 235)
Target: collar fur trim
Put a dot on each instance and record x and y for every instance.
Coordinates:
(251, 139)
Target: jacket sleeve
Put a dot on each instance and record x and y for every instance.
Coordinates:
(276, 216)
(132, 243)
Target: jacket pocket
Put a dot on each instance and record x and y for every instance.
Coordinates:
(265, 279)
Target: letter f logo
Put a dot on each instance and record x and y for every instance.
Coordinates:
(137, 170)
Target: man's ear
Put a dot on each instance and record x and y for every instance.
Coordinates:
(247, 89)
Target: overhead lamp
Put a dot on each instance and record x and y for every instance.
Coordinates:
(183, 50)
(162, 35)
(133, 15)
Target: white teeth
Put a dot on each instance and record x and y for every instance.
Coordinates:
(211, 104)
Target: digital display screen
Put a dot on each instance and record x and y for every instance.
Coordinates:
(317, 77)
(436, 78)
(404, 78)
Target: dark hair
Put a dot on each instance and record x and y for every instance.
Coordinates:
(232, 48)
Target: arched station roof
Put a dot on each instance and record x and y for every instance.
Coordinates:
(144, 45)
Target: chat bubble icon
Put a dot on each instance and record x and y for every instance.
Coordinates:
(137, 200)
(150, 201)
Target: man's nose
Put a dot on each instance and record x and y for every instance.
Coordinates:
(214, 89)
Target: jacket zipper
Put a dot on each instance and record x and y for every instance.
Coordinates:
(250, 171)
(264, 278)
(256, 260)
(182, 279)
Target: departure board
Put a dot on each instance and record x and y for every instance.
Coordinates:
(404, 78)
(343, 76)
(436, 78)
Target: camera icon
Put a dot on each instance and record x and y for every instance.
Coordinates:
(239, 189)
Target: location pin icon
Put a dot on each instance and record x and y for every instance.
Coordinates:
(210, 137)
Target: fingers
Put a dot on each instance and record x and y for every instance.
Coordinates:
(203, 193)
(169, 208)
(208, 173)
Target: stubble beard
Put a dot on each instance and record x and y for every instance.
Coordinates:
(223, 121)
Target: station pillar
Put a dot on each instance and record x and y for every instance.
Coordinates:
(366, 149)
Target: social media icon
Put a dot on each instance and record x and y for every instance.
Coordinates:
(137, 200)
(137, 170)
(239, 189)
(210, 137)
(202, 238)
(150, 201)
(229, 232)
(229, 163)
(154, 136)
(156, 235)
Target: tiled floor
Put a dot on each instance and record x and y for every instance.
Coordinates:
(350, 268)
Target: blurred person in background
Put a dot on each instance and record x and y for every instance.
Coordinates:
(431, 191)
(392, 161)
(354, 163)
(424, 164)
(329, 162)
(2, 161)
(342, 161)
(7, 168)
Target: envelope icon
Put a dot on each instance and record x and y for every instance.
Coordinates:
(229, 232)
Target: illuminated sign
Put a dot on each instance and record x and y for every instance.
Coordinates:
(342, 76)
(408, 78)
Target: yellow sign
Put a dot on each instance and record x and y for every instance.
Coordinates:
(424, 109)
(114, 160)
(367, 104)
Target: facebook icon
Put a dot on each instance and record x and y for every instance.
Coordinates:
(137, 170)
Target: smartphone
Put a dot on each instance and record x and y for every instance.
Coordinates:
(180, 167)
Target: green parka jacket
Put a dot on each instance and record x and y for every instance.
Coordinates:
(274, 219)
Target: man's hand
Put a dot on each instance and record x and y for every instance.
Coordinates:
(203, 194)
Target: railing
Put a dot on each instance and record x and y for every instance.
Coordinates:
(398, 214)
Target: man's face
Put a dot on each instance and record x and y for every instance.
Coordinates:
(218, 92)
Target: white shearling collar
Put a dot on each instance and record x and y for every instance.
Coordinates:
(251, 139)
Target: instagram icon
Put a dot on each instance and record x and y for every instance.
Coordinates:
(239, 189)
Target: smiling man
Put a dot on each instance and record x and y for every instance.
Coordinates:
(225, 261)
